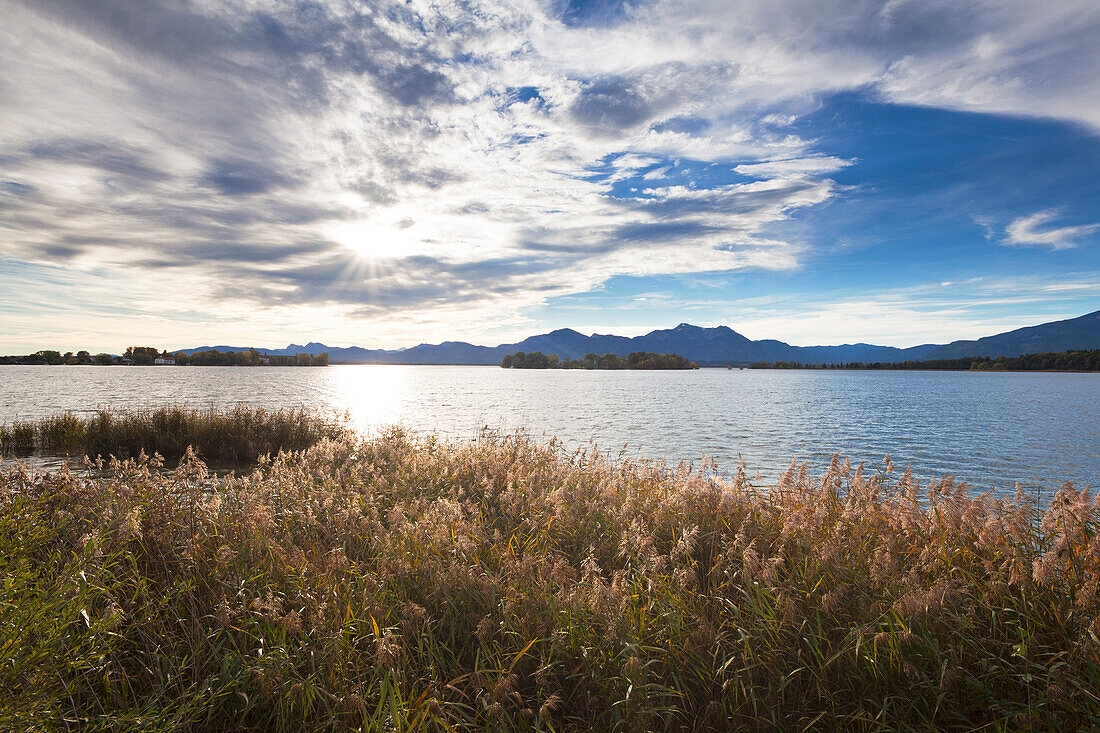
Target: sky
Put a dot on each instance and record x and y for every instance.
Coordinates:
(182, 173)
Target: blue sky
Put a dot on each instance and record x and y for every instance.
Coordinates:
(923, 224)
(385, 174)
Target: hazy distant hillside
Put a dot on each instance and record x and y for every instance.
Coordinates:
(719, 345)
(1075, 333)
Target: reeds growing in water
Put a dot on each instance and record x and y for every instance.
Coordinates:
(401, 583)
(238, 434)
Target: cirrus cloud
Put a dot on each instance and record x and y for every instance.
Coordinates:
(1036, 231)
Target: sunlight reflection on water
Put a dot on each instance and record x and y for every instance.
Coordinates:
(371, 396)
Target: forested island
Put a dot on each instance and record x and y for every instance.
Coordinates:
(152, 356)
(636, 360)
(1064, 361)
(248, 358)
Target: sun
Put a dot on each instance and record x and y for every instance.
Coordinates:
(369, 240)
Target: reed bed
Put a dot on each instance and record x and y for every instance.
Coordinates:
(401, 583)
(235, 435)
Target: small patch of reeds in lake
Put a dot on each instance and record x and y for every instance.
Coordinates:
(400, 583)
(234, 435)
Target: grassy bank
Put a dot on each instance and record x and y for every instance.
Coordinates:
(235, 435)
(403, 584)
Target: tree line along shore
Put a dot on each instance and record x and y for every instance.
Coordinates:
(635, 360)
(407, 583)
(1085, 360)
(152, 356)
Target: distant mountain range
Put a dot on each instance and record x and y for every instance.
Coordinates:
(713, 346)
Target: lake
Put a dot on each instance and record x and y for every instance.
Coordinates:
(989, 429)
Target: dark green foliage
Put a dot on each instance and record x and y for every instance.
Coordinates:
(147, 356)
(636, 360)
(46, 356)
(533, 360)
(142, 355)
(596, 361)
(646, 360)
(248, 358)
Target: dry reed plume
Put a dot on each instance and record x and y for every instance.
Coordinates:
(399, 584)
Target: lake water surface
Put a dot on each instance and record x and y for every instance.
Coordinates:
(989, 429)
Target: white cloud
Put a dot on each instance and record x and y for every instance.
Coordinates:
(808, 166)
(1017, 58)
(904, 317)
(878, 322)
(1035, 231)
